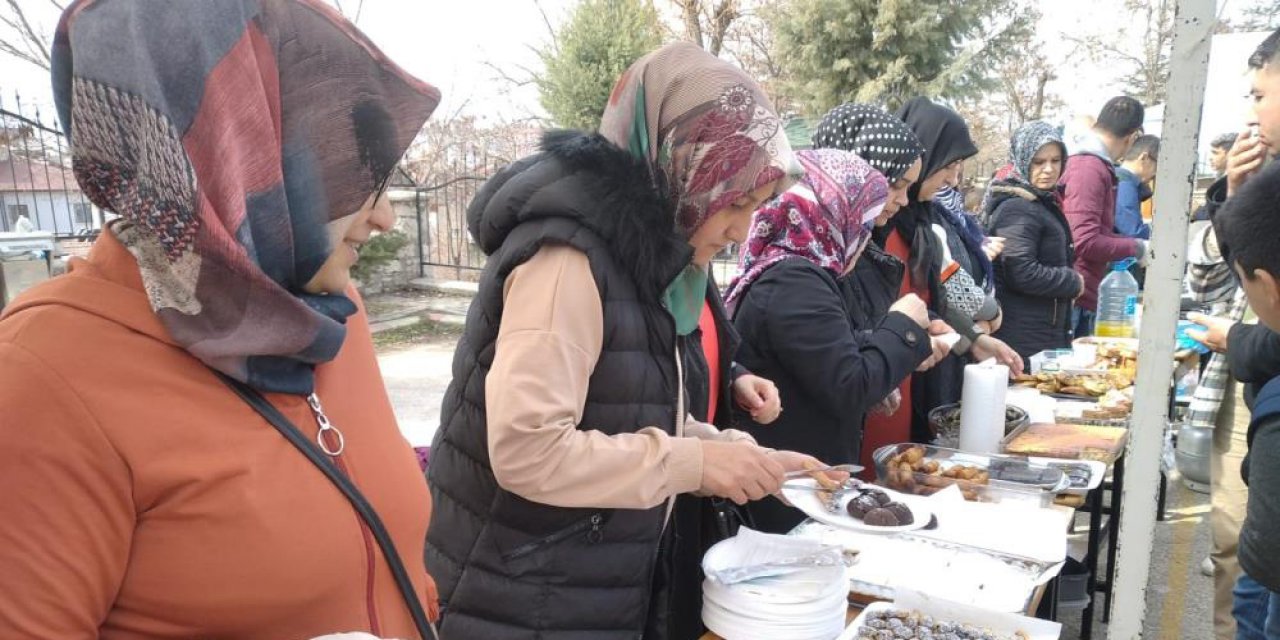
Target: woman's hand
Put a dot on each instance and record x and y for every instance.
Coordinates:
(912, 307)
(995, 323)
(993, 247)
(941, 349)
(890, 404)
(759, 397)
(794, 461)
(986, 347)
(740, 471)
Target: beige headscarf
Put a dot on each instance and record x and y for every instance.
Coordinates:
(704, 124)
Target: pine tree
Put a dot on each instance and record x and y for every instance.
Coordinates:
(887, 51)
(602, 38)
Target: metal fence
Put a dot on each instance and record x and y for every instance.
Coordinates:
(38, 190)
(446, 250)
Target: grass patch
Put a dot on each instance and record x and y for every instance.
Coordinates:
(423, 331)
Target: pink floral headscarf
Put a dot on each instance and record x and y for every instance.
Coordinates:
(826, 218)
(704, 124)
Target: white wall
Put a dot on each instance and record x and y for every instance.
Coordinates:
(49, 211)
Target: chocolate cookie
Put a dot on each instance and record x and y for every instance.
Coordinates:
(881, 497)
(859, 506)
(881, 517)
(901, 512)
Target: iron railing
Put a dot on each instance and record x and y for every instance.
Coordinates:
(38, 189)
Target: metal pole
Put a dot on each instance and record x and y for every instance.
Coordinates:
(417, 207)
(31, 173)
(44, 160)
(1189, 64)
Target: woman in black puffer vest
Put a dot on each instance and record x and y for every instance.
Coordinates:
(565, 435)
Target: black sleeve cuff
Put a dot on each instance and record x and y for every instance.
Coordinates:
(909, 333)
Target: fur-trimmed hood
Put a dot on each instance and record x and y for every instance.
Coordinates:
(588, 179)
(1004, 190)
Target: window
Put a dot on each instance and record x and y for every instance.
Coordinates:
(16, 211)
(82, 215)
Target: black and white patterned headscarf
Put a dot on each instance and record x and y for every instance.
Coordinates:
(874, 134)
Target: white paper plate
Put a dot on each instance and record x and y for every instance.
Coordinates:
(809, 502)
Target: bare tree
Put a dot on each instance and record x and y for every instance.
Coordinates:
(23, 38)
(707, 22)
(1147, 56)
(1024, 88)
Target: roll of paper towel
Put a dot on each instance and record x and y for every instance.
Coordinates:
(982, 407)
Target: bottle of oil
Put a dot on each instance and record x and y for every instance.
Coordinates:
(1118, 302)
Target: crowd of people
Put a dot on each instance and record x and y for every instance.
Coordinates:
(198, 443)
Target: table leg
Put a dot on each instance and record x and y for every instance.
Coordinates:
(1162, 497)
(1091, 560)
(1048, 609)
(1113, 521)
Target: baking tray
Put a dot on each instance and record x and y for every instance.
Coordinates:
(995, 490)
(1106, 455)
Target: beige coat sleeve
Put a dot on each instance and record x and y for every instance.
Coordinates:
(550, 338)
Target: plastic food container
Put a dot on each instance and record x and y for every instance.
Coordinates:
(981, 478)
(945, 422)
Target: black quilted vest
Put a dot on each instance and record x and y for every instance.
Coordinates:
(507, 567)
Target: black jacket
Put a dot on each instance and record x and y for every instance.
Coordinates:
(796, 332)
(1036, 281)
(872, 287)
(1259, 546)
(697, 523)
(507, 567)
(1253, 356)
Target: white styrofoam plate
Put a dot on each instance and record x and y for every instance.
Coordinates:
(809, 502)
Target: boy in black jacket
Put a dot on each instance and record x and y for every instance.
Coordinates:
(1248, 228)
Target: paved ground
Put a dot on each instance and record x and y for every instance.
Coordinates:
(416, 358)
(416, 377)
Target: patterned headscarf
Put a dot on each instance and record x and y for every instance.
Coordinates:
(874, 134)
(703, 124)
(234, 137)
(826, 218)
(1026, 143)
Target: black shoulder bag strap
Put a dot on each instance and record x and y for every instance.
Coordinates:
(291, 433)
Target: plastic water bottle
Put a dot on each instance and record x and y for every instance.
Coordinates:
(1118, 302)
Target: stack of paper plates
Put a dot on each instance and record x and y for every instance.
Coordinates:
(808, 604)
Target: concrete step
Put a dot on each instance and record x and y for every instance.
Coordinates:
(446, 287)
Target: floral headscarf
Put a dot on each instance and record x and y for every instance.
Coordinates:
(826, 218)
(704, 125)
(234, 138)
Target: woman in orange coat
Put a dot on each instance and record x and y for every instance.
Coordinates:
(245, 146)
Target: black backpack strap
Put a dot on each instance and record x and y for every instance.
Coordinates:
(291, 433)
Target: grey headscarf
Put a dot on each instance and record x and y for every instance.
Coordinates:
(1026, 142)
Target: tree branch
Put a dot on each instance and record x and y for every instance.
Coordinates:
(36, 45)
(551, 31)
(512, 80)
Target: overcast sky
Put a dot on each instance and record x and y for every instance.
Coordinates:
(449, 43)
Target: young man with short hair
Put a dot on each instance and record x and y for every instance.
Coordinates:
(1252, 354)
(1218, 150)
(1135, 175)
(1248, 227)
(1090, 201)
